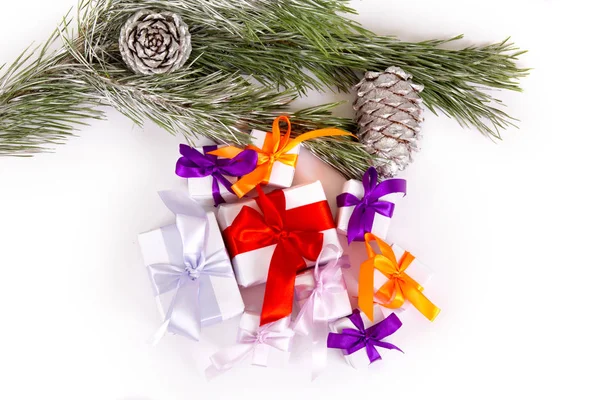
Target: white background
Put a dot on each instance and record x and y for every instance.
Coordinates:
(510, 228)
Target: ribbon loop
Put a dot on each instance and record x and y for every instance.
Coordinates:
(363, 216)
(194, 164)
(397, 289)
(352, 340)
(274, 149)
(184, 315)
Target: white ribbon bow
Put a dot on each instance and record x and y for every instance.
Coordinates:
(252, 339)
(313, 318)
(184, 315)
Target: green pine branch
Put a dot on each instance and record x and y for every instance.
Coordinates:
(286, 47)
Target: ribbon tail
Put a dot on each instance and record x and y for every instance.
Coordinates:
(355, 225)
(160, 333)
(279, 291)
(216, 192)
(226, 152)
(319, 348)
(313, 135)
(421, 303)
(373, 353)
(226, 359)
(248, 182)
(365, 287)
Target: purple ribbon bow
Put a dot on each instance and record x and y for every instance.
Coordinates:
(352, 340)
(194, 164)
(361, 220)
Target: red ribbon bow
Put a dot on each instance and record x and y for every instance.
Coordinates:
(297, 236)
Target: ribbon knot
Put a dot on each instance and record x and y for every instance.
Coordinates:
(351, 340)
(194, 164)
(363, 216)
(274, 148)
(399, 287)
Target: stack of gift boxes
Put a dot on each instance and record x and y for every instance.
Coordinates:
(229, 234)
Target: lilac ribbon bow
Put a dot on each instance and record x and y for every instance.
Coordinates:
(361, 220)
(352, 340)
(190, 280)
(194, 164)
(254, 340)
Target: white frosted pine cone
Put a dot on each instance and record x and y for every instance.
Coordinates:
(155, 42)
(389, 114)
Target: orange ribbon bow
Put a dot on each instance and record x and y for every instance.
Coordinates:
(275, 148)
(397, 289)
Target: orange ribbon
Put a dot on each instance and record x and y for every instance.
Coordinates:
(275, 148)
(397, 289)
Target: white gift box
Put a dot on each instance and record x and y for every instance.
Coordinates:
(282, 174)
(201, 189)
(416, 270)
(381, 224)
(252, 267)
(266, 346)
(338, 305)
(221, 299)
(360, 359)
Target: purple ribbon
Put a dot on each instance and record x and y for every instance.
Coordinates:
(194, 164)
(361, 220)
(352, 340)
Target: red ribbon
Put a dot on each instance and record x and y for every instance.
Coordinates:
(297, 234)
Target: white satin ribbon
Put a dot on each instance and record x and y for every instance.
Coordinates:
(313, 318)
(252, 339)
(190, 281)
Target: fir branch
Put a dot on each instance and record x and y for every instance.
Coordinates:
(42, 101)
(291, 44)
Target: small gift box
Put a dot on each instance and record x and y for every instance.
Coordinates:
(368, 206)
(284, 167)
(210, 177)
(268, 345)
(190, 270)
(274, 237)
(324, 289)
(392, 277)
(277, 156)
(322, 296)
(363, 342)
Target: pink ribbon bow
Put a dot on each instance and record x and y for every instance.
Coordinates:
(252, 339)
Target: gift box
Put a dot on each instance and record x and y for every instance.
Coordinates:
(251, 263)
(282, 175)
(354, 349)
(267, 346)
(210, 177)
(190, 299)
(416, 270)
(277, 155)
(368, 206)
(394, 278)
(337, 301)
